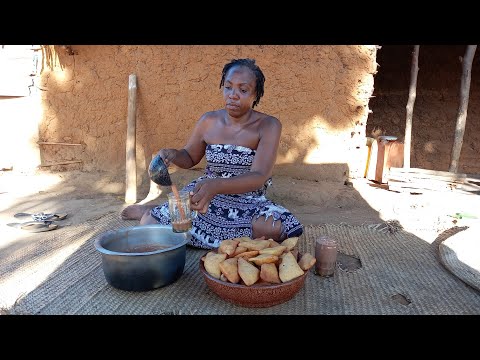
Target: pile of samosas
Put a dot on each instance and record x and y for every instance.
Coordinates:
(249, 261)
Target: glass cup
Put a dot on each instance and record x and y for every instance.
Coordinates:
(326, 255)
(180, 214)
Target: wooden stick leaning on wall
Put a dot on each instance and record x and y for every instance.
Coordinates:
(131, 154)
(412, 94)
(62, 163)
(462, 108)
(57, 143)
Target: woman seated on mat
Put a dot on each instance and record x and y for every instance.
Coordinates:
(240, 145)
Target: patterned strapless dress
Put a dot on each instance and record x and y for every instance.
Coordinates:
(230, 215)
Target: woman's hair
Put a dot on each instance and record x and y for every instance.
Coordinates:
(249, 63)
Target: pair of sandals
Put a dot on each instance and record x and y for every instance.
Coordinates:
(41, 222)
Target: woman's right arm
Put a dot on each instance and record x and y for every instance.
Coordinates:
(192, 153)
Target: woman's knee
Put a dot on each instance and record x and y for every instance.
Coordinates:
(267, 227)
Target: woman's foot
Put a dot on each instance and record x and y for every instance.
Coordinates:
(135, 212)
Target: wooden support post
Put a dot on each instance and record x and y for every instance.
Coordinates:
(412, 94)
(131, 155)
(462, 108)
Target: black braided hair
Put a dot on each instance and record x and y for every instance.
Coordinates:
(249, 63)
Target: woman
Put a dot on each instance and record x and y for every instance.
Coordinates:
(240, 145)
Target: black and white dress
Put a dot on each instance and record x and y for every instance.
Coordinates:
(230, 215)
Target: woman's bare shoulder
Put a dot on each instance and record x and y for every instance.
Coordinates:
(269, 121)
(211, 116)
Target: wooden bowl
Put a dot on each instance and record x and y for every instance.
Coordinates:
(258, 295)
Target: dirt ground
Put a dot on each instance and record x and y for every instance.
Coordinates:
(86, 196)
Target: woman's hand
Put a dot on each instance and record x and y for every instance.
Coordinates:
(167, 155)
(202, 194)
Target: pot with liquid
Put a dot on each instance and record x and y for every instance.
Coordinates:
(141, 258)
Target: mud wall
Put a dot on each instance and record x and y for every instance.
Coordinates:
(319, 93)
(436, 105)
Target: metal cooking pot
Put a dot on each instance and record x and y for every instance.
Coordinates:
(141, 258)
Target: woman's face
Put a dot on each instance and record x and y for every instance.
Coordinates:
(239, 90)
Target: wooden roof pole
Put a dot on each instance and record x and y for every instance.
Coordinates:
(462, 108)
(412, 94)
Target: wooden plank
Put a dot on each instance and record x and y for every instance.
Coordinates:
(418, 171)
(401, 189)
(473, 177)
(369, 153)
(468, 186)
(415, 189)
(413, 177)
(372, 166)
(433, 185)
(424, 184)
(384, 155)
(394, 152)
(408, 178)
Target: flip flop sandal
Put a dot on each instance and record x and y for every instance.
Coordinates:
(42, 217)
(35, 226)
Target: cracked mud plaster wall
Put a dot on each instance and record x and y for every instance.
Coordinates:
(319, 93)
(436, 105)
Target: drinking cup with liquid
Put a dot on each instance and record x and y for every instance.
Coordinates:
(326, 255)
(180, 214)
